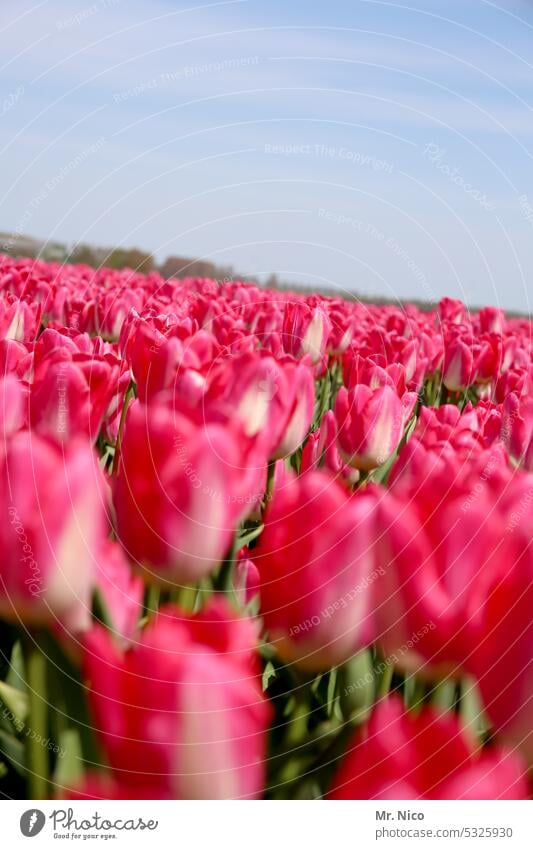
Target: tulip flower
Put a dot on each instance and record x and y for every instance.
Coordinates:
(71, 394)
(424, 756)
(51, 540)
(181, 713)
(316, 567)
(246, 582)
(12, 406)
(182, 487)
(268, 397)
(300, 401)
(517, 428)
(19, 320)
(370, 425)
(444, 543)
(121, 592)
(306, 329)
(501, 657)
(491, 320)
(457, 371)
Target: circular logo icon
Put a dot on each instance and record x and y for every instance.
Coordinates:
(32, 822)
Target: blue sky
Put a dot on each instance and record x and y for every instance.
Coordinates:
(383, 147)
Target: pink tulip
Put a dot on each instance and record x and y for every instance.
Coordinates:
(491, 320)
(300, 402)
(53, 500)
(182, 487)
(264, 394)
(247, 578)
(306, 328)
(444, 543)
(501, 657)
(517, 428)
(71, 394)
(181, 714)
(424, 756)
(19, 320)
(121, 592)
(12, 406)
(457, 371)
(452, 310)
(316, 565)
(370, 425)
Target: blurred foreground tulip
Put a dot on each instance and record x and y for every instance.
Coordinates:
(181, 714)
(54, 532)
(424, 756)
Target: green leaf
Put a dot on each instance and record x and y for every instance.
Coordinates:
(15, 701)
(443, 694)
(268, 672)
(100, 609)
(16, 677)
(332, 691)
(248, 536)
(69, 766)
(13, 751)
(472, 713)
(357, 682)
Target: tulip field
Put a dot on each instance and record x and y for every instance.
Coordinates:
(259, 544)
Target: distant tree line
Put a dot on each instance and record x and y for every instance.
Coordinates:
(173, 266)
(177, 266)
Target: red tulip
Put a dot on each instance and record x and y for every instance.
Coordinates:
(458, 369)
(182, 488)
(121, 592)
(443, 544)
(316, 566)
(306, 328)
(19, 320)
(370, 424)
(51, 540)
(181, 714)
(274, 400)
(71, 394)
(501, 657)
(424, 756)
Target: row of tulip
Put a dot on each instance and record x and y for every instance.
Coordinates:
(261, 544)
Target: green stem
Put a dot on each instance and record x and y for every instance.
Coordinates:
(153, 596)
(297, 730)
(186, 598)
(129, 394)
(385, 680)
(270, 480)
(36, 753)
